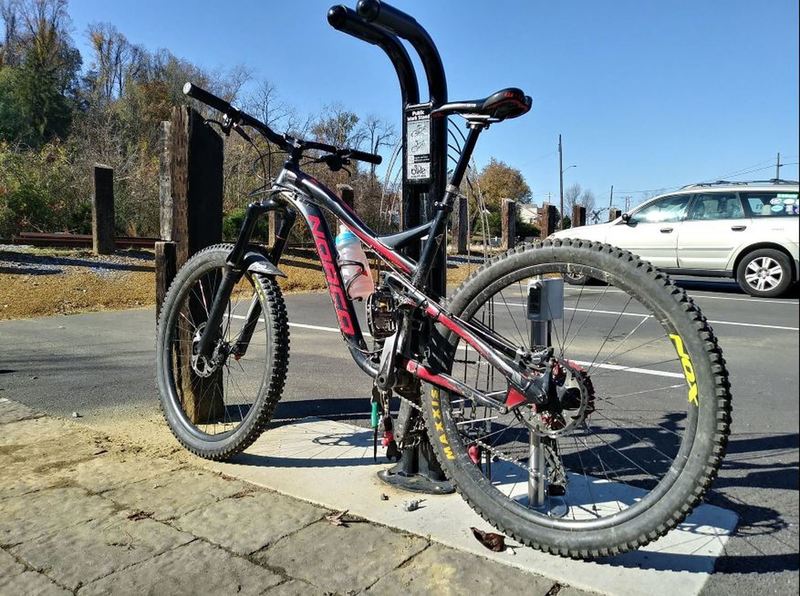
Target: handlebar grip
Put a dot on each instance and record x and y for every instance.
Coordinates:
(209, 99)
(364, 156)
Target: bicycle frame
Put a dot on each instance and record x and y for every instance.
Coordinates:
(297, 191)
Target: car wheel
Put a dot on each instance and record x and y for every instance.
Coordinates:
(765, 273)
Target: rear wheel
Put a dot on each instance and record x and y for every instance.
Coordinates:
(765, 273)
(640, 423)
(217, 407)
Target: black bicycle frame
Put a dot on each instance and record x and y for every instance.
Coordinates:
(296, 191)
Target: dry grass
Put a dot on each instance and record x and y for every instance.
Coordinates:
(24, 296)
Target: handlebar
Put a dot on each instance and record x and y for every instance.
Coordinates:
(287, 143)
(210, 100)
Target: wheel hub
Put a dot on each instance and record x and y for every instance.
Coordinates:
(570, 405)
(203, 366)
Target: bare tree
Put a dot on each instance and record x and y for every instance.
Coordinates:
(339, 127)
(10, 54)
(587, 200)
(266, 104)
(378, 133)
(571, 198)
(575, 195)
(113, 55)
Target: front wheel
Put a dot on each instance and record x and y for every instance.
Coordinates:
(217, 407)
(637, 426)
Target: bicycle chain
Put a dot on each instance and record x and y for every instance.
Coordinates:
(557, 476)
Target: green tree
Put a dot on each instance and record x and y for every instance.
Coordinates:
(40, 89)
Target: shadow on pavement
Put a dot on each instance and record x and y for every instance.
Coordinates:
(750, 465)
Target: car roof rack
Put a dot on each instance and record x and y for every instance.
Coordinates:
(774, 181)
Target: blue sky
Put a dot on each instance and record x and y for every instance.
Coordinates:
(647, 94)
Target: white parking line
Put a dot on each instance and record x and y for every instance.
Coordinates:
(751, 300)
(642, 315)
(306, 326)
(779, 327)
(632, 369)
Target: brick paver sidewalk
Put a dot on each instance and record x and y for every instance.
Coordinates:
(79, 515)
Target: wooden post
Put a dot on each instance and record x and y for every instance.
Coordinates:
(461, 225)
(195, 177)
(614, 213)
(103, 211)
(190, 180)
(578, 216)
(347, 194)
(165, 180)
(508, 220)
(165, 271)
(548, 220)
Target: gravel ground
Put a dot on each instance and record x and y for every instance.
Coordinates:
(23, 259)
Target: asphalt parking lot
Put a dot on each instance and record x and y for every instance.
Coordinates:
(101, 365)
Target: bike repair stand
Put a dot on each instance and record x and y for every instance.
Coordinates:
(424, 180)
(545, 304)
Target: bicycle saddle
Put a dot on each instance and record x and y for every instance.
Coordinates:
(504, 104)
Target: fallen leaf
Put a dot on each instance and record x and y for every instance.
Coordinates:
(337, 518)
(492, 541)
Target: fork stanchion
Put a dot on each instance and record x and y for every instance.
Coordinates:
(424, 141)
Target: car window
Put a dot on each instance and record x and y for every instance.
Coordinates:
(708, 206)
(771, 204)
(663, 210)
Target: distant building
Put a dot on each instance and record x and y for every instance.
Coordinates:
(528, 214)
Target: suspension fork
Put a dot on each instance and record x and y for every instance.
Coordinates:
(287, 220)
(233, 273)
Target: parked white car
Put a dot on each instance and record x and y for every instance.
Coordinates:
(744, 230)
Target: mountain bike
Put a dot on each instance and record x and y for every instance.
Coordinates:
(583, 421)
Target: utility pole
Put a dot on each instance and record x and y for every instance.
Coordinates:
(560, 185)
(778, 168)
(611, 198)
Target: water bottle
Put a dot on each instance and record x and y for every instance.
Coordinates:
(355, 267)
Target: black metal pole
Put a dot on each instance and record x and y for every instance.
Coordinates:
(381, 24)
(347, 21)
(406, 27)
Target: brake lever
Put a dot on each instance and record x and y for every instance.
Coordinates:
(224, 127)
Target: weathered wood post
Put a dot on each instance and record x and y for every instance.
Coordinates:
(614, 213)
(578, 216)
(347, 194)
(508, 219)
(103, 211)
(166, 260)
(166, 250)
(191, 219)
(548, 220)
(461, 225)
